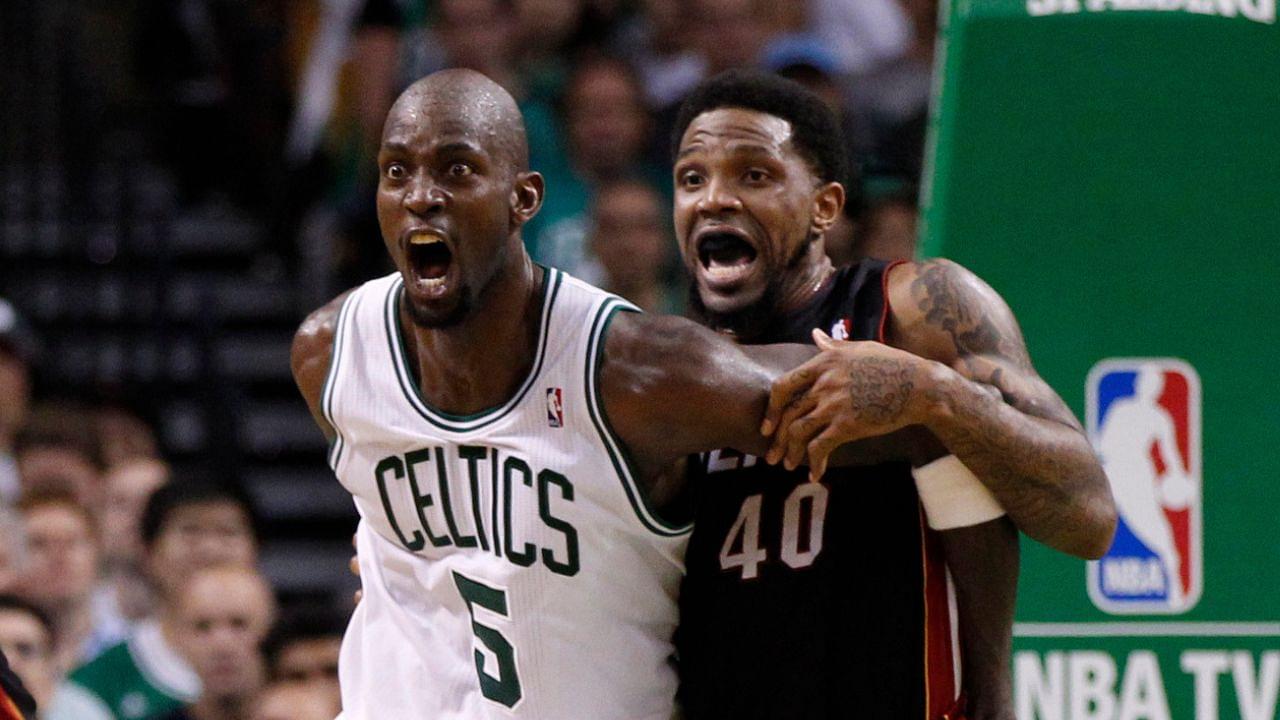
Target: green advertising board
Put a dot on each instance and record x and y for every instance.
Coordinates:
(1112, 167)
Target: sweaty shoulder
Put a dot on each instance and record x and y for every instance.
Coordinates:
(311, 353)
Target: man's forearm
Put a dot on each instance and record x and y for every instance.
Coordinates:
(1044, 473)
(983, 560)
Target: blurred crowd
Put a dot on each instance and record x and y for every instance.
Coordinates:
(276, 106)
(599, 83)
(131, 590)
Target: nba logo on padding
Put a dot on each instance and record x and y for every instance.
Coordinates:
(555, 407)
(1144, 421)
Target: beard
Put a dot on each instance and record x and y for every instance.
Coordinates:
(753, 321)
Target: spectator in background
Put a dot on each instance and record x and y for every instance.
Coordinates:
(16, 352)
(545, 32)
(730, 33)
(124, 436)
(290, 701)
(220, 620)
(127, 486)
(59, 449)
(61, 572)
(304, 652)
(187, 525)
(26, 638)
(13, 550)
(480, 35)
(631, 247)
(888, 229)
(606, 127)
(659, 42)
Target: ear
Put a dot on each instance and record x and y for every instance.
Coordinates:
(526, 197)
(828, 201)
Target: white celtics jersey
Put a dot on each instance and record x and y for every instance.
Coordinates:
(510, 566)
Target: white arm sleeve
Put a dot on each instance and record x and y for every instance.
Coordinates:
(953, 496)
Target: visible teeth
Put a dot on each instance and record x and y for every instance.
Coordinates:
(425, 239)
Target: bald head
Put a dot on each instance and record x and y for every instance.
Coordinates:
(464, 102)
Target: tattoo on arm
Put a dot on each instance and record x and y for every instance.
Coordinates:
(985, 340)
(1024, 443)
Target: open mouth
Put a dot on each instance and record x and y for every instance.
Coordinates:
(725, 256)
(429, 256)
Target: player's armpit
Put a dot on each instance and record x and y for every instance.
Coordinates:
(311, 354)
(672, 388)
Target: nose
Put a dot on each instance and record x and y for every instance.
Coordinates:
(424, 198)
(717, 198)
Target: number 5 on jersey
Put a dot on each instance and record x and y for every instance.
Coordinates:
(504, 688)
(805, 506)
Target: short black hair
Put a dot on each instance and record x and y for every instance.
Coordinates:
(192, 489)
(303, 623)
(815, 129)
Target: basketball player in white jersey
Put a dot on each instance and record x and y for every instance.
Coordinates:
(511, 438)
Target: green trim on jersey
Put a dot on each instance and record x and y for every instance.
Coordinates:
(116, 678)
(617, 451)
(338, 444)
(464, 423)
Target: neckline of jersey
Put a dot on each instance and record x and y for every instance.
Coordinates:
(465, 423)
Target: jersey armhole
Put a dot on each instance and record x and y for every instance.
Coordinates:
(885, 309)
(618, 454)
(328, 392)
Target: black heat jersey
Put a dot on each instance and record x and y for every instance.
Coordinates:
(807, 601)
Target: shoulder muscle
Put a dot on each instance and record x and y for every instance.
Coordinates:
(311, 354)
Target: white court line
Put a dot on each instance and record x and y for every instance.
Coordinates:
(1146, 629)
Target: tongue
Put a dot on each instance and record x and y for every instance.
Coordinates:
(432, 261)
(433, 270)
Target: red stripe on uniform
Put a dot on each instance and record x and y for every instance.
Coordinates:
(8, 711)
(884, 296)
(939, 656)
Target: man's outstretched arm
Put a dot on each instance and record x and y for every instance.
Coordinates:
(673, 388)
(953, 338)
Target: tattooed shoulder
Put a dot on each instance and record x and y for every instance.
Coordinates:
(974, 320)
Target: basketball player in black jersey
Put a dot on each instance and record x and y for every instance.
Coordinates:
(807, 600)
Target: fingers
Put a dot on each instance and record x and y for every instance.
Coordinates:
(823, 340)
(797, 442)
(799, 407)
(354, 566)
(784, 389)
(819, 450)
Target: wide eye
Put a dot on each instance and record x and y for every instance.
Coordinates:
(396, 171)
(690, 179)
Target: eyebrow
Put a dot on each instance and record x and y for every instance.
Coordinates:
(739, 148)
(395, 146)
(460, 146)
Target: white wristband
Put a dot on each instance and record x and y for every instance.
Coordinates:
(953, 496)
